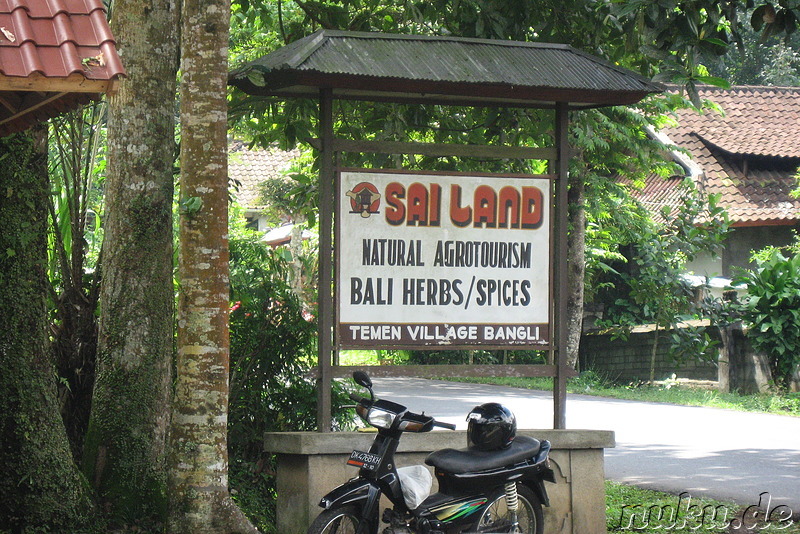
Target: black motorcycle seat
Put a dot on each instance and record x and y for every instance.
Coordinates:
(473, 460)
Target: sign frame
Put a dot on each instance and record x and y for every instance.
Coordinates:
(445, 335)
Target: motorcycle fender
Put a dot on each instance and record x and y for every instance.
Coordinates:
(548, 474)
(357, 490)
(537, 486)
(544, 473)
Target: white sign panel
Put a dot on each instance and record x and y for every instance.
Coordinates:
(428, 260)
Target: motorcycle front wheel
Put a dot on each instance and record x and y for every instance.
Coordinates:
(497, 518)
(340, 520)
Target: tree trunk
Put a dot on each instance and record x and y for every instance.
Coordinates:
(125, 450)
(576, 250)
(296, 249)
(199, 497)
(654, 354)
(40, 487)
(725, 358)
(794, 381)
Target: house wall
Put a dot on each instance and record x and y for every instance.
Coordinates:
(257, 220)
(706, 265)
(738, 247)
(743, 240)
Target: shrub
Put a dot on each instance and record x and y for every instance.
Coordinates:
(273, 347)
(772, 310)
(476, 357)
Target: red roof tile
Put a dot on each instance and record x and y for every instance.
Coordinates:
(54, 56)
(749, 156)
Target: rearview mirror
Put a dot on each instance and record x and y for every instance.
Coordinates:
(362, 379)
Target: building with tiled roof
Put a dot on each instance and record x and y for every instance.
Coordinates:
(248, 169)
(749, 156)
(55, 55)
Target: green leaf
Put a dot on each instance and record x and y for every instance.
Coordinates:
(284, 253)
(716, 41)
(256, 77)
(191, 205)
(715, 81)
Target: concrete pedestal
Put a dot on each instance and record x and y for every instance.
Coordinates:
(310, 464)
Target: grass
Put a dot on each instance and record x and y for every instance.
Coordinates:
(632, 509)
(590, 383)
(358, 357)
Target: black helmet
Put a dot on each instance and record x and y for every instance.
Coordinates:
(491, 426)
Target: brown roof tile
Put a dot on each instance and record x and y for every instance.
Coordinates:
(658, 193)
(758, 120)
(749, 156)
(252, 167)
(54, 56)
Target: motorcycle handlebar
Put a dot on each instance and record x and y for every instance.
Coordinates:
(419, 418)
(449, 426)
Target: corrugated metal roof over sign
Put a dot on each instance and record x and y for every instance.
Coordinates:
(375, 66)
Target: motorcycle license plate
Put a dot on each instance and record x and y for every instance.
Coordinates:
(364, 460)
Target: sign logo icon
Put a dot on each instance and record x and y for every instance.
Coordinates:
(364, 199)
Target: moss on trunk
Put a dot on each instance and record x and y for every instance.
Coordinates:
(41, 489)
(125, 449)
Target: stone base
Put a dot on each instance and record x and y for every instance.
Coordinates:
(310, 464)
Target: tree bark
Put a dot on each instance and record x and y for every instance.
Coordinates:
(41, 489)
(125, 450)
(576, 251)
(654, 354)
(199, 497)
(296, 249)
(725, 358)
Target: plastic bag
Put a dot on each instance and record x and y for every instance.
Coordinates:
(416, 482)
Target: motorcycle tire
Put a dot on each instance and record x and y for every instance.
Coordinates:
(495, 518)
(339, 520)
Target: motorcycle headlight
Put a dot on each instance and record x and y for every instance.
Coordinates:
(380, 418)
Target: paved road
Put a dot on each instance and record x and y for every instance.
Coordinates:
(717, 453)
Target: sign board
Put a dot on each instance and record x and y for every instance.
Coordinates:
(434, 261)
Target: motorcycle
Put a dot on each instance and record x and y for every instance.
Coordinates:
(480, 491)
